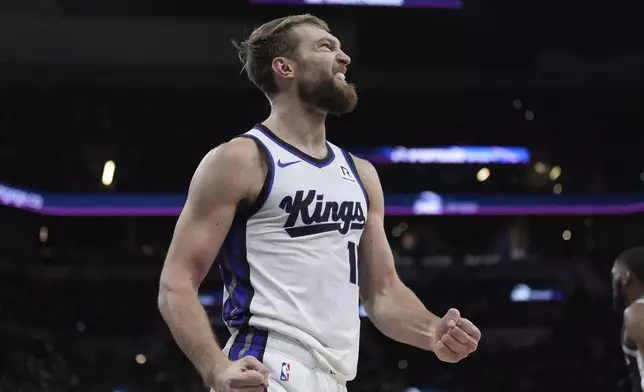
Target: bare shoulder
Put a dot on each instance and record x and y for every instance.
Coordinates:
(366, 170)
(634, 317)
(371, 182)
(234, 170)
(239, 153)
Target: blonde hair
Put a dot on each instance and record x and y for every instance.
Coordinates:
(268, 41)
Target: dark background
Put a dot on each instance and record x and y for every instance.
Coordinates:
(153, 85)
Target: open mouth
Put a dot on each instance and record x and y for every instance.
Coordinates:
(341, 76)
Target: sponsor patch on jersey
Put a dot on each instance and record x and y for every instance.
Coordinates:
(286, 371)
(346, 174)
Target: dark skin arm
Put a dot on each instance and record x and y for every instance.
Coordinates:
(634, 325)
(393, 308)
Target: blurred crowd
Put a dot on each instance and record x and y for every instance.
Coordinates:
(84, 318)
(158, 136)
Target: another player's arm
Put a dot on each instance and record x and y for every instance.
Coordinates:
(634, 325)
(393, 308)
(226, 175)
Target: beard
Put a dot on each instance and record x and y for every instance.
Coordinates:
(328, 94)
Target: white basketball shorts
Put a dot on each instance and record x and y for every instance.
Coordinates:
(293, 368)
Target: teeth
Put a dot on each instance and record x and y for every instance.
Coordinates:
(340, 76)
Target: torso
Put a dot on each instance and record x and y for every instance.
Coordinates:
(290, 261)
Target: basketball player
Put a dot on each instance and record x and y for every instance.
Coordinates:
(296, 227)
(628, 293)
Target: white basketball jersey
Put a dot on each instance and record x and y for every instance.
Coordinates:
(290, 261)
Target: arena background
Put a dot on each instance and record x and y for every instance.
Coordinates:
(106, 108)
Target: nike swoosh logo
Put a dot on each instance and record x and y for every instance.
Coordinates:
(285, 164)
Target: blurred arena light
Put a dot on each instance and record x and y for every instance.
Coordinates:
(446, 155)
(483, 174)
(108, 173)
(523, 292)
(362, 311)
(43, 234)
(555, 172)
(557, 189)
(140, 359)
(540, 167)
(566, 235)
(397, 230)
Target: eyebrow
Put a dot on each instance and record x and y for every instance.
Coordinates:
(329, 40)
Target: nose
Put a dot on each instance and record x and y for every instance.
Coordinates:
(344, 58)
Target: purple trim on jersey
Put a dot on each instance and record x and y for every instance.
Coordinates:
(354, 170)
(229, 305)
(242, 347)
(268, 181)
(236, 310)
(330, 156)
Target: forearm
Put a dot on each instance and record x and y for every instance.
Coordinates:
(189, 325)
(400, 315)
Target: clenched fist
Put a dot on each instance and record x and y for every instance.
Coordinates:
(247, 375)
(455, 337)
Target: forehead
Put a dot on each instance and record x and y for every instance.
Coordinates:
(308, 33)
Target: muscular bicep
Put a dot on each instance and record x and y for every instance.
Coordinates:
(377, 270)
(196, 241)
(225, 177)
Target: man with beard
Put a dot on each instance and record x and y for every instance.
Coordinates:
(628, 295)
(296, 226)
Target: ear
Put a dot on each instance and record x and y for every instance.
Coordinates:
(283, 67)
(626, 277)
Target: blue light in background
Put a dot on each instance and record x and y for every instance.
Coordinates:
(447, 155)
(425, 203)
(208, 299)
(524, 293)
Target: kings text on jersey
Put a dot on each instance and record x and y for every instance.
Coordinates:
(319, 215)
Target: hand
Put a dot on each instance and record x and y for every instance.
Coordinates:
(455, 337)
(245, 375)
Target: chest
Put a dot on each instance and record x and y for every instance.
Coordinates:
(311, 200)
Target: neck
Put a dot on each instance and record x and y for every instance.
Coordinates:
(298, 125)
(634, 295)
